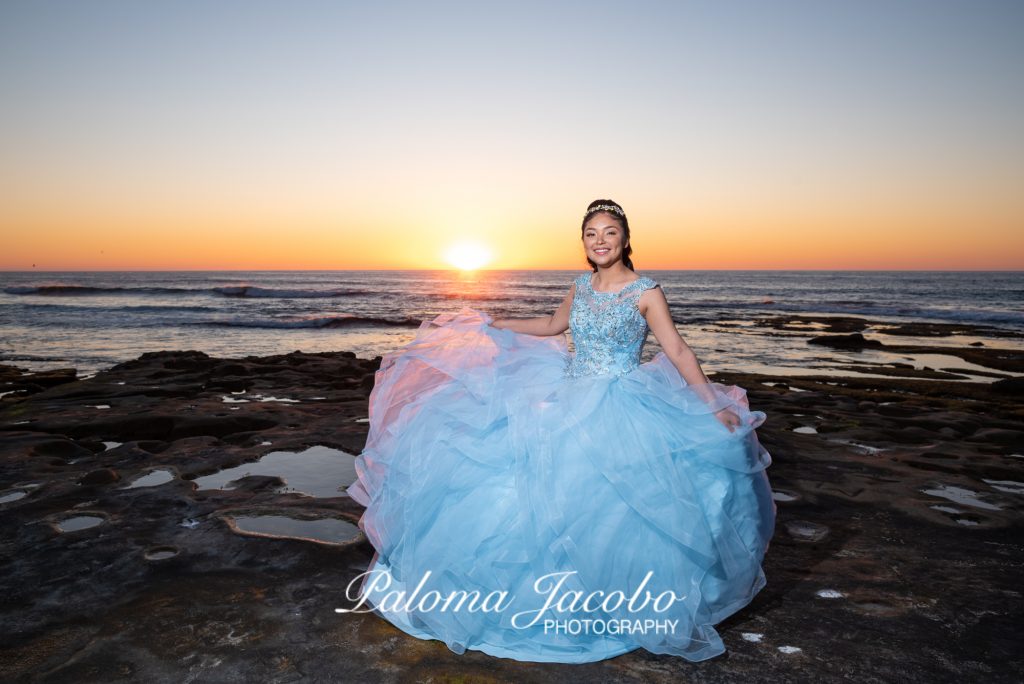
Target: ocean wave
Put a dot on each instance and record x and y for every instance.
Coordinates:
(866, 309)
(490, 297)
(314, 322)
(72, 290)
(234, 291)
(257, 292)
(65, 308)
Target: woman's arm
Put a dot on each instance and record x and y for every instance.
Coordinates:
(654, 308)
(541, 326)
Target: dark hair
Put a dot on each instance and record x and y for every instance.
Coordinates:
(623, 221)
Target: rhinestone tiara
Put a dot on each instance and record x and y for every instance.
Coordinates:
(605, 207)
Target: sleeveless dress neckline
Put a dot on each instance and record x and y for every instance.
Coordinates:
(622, 289)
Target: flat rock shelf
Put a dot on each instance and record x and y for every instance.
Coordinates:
(896, 556)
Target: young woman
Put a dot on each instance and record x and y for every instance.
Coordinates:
(542, 505)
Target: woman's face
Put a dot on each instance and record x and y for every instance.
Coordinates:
(602, 239)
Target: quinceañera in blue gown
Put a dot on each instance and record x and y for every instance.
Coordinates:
(542, 505)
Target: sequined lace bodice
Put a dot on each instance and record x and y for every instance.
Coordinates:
(608, 330)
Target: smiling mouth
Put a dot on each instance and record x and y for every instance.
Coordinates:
(601, 251)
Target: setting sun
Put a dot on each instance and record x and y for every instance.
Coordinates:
(468, 256)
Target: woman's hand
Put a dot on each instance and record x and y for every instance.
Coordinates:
(728, 418)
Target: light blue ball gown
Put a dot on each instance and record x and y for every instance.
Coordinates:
(515, 490)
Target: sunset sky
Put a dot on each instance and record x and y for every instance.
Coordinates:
(295, 135)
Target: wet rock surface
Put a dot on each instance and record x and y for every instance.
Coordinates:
(896, 555)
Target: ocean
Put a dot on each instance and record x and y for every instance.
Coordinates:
(92, 320)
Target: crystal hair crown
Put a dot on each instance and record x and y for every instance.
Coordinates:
(606, 207)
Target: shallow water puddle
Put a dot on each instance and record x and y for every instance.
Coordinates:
(752, 636)
(805, 430)
(79, 522)
(160, 553)
(949, 363)
(864, 448)
(961, 496)
(318, 471)
(780, 495)
(152, 479)
(788, 388)
(111, 445)
(259, 397)
(285, 400)
(329, 530)
(806, 531)
(829, 594)
(12, 496)
(1008, 486)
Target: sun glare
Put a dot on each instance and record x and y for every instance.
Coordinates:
(467, 256)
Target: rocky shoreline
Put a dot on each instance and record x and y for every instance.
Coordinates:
(896, 556)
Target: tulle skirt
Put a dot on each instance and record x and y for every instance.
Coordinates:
(532, 516)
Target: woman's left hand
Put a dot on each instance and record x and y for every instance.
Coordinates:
(728, 418)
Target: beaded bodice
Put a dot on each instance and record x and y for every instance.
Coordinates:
(608, 330)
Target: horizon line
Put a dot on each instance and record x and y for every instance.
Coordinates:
(500, 270)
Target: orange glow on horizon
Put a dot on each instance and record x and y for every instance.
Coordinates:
(358, 137)
(709, 240)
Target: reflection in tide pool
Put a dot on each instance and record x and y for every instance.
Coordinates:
(1008, 486)
(14, 495)
(318, 471)
(79, 522)
(961, 496)
(330, 530)
(160, 553)
(152, 479)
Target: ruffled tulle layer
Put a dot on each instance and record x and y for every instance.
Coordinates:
(487, 473)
